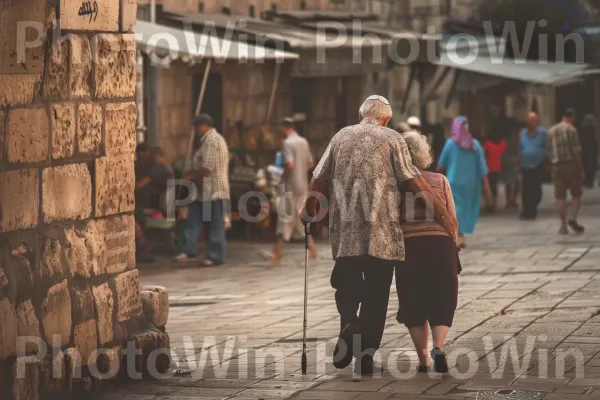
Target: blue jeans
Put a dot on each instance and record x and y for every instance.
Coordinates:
(213, 213)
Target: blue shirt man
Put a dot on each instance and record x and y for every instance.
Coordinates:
(532, 147)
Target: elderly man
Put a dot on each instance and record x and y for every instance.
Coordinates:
(361, 173)
(532, 162)
(211, 175)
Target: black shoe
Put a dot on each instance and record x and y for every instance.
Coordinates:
(423, 369)
(345, 344)
(440, 363)
(576, 227)
(367, 367)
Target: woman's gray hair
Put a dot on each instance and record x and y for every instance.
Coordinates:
(419, 149)
(376, 107)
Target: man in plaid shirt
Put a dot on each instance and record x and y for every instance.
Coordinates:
(211, 175)
(564, 152)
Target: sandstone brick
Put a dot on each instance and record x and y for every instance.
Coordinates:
(2, 130)
(52, 262)
(63, 130)
(19, 199)
(103, 17)
(53, 374)
(56, 314)
(118, 234)
(89, 128)
(147, 342)
(82, 302)
(86, 251)
(115, 185)
(155, 302)
(104, 302)
(80, 64)
(66, 193)
(120, 128)
(56, 83)
(17, 89)
(28, 324)
(85, 339)
(128, 15)
(128, 295)
(27, 135)
(26, 380)
(8, 329)
(114, 69)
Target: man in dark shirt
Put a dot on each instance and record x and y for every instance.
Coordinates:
(154, 184)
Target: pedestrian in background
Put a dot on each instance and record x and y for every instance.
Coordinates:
(463, 163)
(211, 175)
(297, 161)
(431, 265)
(532, 163)
(494, 148)
(564, 153)
(590, 140)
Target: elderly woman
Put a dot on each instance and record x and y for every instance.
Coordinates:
(427, 283)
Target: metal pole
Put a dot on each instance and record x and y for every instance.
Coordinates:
(273, 92)
(188, 157)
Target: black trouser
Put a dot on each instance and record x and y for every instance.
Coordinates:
(532, 190)
(363, 281)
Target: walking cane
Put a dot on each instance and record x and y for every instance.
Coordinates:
(305, 325)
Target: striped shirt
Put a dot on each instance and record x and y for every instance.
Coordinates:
(562, 143)
(213, 155)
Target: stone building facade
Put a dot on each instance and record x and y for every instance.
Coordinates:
(68, 278)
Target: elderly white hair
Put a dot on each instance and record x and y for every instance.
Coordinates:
(419, 149)
(377, 107)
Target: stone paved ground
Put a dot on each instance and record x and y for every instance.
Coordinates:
(525, 292)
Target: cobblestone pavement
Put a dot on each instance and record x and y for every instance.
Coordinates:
(528, 321)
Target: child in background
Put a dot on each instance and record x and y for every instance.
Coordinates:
(494, 148)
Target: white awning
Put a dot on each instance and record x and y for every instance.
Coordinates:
(170, 44)
(549, 73)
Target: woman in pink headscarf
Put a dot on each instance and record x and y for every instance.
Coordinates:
(463, 162)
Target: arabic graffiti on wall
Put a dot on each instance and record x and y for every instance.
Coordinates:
(89, 8)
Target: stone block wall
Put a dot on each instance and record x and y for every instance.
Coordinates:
(68, 279)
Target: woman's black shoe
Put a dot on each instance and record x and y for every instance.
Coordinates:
(440, 363)
(344, 349)
(423, 369)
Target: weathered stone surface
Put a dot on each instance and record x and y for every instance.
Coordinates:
(104, 302)
(103, 15)
(120, 128)
(108, 363)
(19, 199)
(114, 72)
(82, 303)
(148, 341)
(128, 15)
(28, 324)
(56, 314)
(89, 128)
(128, 295)
(53, 374)
(155, 302)
(84, 250)
(8, 329)
(2, 130)
(115, 185)
(3, 279)
(85, 339)
(52, 263)
(17, 255)
(56, 83)
(119, 242)
(63, 130)
(80, 64)
(17, 89)
(26, 380)
(27, 135)
(66, 193)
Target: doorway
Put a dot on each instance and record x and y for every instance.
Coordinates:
(213, 97)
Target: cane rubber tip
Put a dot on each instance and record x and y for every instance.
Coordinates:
(304, 364)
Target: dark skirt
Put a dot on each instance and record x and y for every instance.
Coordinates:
(427, 282)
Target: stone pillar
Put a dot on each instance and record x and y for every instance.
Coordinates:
(68, 279)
